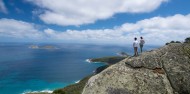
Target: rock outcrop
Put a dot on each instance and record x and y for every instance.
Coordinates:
(161, 71)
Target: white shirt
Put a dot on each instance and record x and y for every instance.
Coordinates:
(135, 43)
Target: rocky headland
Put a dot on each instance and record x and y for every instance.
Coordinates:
(108, 60)
(161, 71)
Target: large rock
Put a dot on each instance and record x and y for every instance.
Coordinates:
(122, 79)
(161, 71)
(177, 66)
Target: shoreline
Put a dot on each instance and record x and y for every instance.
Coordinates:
(103, 60)
(50, 91)
(36, 92)
(78, 87)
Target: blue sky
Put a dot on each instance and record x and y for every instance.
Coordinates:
(94, 21)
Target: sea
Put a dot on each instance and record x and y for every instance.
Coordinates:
(44, 67)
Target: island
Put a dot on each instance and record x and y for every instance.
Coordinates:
(42, 47)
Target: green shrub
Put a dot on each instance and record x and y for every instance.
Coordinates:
(172, 41)
(187, 40)
(177, 42)
(167, 43)
(186, 50)
(58, 91)
(74, 88)
(109, 60)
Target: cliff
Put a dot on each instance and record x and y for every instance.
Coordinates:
(162, 71)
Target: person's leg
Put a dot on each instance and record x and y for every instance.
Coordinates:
(137, 51)
(141, 46)
(134, 51)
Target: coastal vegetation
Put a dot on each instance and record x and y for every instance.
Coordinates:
(78, 87)
(173, 42)
(187, 40)
(74, 88)
(186, 50)
(109, 60)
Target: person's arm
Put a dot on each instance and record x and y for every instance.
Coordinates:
(133, 44)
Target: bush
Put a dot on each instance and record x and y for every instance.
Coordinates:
(187, 40)
(74, 88)
(172, 42)
(59, 91)
(177, 42)
(109, 60)
(167, 43)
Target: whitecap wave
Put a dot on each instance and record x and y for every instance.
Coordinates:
(42, 91)
(88, 60)
(77, 81)
(98, 62)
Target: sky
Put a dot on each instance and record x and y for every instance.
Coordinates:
(94, 21)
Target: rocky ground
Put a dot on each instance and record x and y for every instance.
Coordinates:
(161, 71)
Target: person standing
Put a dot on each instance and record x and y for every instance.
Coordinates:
(135, 46)
(141, 43)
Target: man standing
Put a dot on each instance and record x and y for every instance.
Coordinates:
(135, 45)
(141, 43)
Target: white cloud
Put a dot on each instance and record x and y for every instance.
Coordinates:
(2, 7)
(156, 30)
(79, 12)
(18, 29)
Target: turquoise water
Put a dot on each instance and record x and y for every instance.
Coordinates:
(23, 69)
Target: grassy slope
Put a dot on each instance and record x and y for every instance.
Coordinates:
(73, 89)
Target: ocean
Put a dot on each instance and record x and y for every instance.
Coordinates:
(25, 68)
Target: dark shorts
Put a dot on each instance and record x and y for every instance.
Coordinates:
(141, 46)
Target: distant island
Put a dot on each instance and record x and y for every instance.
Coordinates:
(42, 47)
